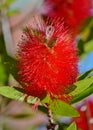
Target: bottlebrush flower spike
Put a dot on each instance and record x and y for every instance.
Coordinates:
(47, 60)
(75, 12)
(85, 108)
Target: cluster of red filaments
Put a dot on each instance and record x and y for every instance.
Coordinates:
(47, 60)
(74, 12)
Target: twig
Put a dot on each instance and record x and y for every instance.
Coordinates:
(51, 123)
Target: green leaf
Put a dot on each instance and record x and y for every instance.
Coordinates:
(21, 116)
(32, 100)
(16, 94)
(72, 126)
(10, 65)
(43, 109)
(61, 108)
(1, 6)
(82, 85)
(8, 62)
(88, 46)
(12, 93)
(9, 2)
(12, 12)
(46, 99)
(80, 46)
(84, 75)
(6, 4)
(83, 94)
(3, 75)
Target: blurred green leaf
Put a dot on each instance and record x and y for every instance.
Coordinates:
(61, 108)
(86, 32)
(84, 75)
(82, 85)
(83, 94)
(23, 115)
(72, 126)
(3, 76)
(32, 127)
(2, 45)
(6, 3)
(6, 126)
(9, 63)
(88, 46)
(12, 93)
(42, 108)
(80, 46)
(1, 6)
(32, 100)
(12, 12)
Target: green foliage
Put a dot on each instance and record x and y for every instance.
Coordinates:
(82, 85)
(87, 32)
(88, 46)
(12, 12)
(16, 94)
(61, 108)
(8, 63)
(58, 107)
(21, 116)
(3, 76)
(6, 3)
(84, 88)
(85, 75)
(83, 94)
(12, 93)
(85, 43)
(72, 127)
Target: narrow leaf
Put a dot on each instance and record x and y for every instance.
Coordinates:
(16, 94)
(83, 95)
(11, 92)
(82, 85)
(82, 76)
(21, 116)
(61, 108)
(72, 126)
(88, 46)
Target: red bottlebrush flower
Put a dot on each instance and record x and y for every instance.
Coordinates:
(47, 60)
(75, 12)
(85, 108)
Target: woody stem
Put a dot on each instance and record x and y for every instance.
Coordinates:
(51, 124)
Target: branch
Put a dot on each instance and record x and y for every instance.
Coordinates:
(51, 123)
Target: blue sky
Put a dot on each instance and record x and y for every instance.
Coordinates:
(86, 63)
